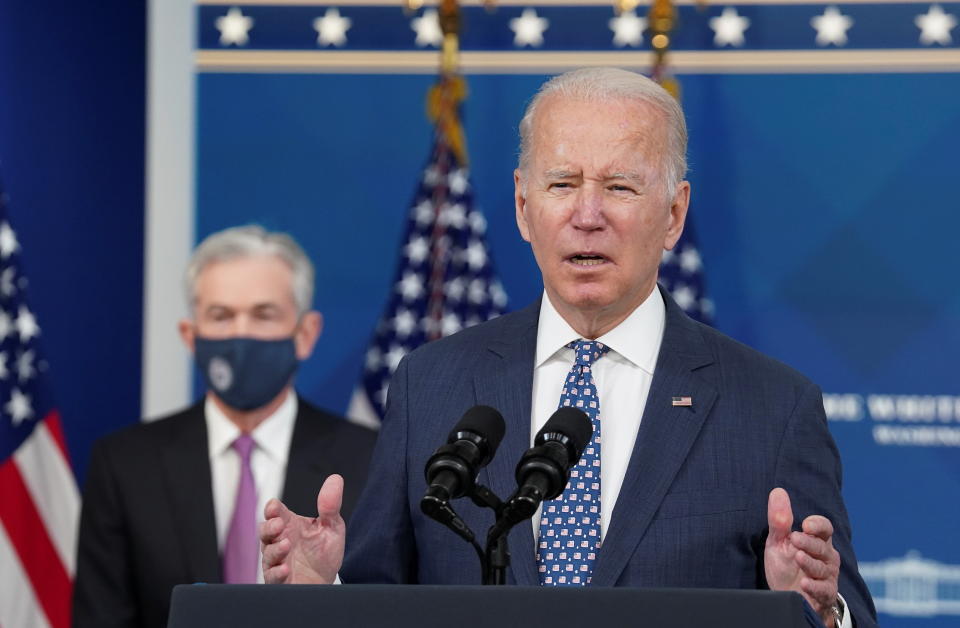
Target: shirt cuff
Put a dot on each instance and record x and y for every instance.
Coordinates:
(847, 615)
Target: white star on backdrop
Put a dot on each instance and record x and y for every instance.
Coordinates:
(332, 28)
(831, 27)
(18, 407)
(684, 296)
(417, 250)
(3, 366)
(728, 28)
(6, 325)
(454, 216)
(628, 29)
(8, 241)
(26, 324)
(499, 295)
(451, 324)
(458, 181)
(478, 291)
(411, 286)
(431, 176)
(424, 212)
(706, 306)
(24, 366)
(476, 256)
(394, 356)
(373, 358)
(528, 29)
(428, 30)
(935, 26)
(404, 323)
(7, 288)
(690, 260)
(478, 223)
(234, 27)
(454, 288)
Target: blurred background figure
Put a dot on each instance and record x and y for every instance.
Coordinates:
(178, 500)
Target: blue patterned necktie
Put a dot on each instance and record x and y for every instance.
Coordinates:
(570, 524)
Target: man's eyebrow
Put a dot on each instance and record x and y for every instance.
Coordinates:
(636, 177)
(560, 173)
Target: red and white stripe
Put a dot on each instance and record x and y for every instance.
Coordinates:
(39, 512)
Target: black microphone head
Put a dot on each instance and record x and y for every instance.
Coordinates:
(484, 421)
(570, 426)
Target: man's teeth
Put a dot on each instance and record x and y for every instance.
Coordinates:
(586, 261)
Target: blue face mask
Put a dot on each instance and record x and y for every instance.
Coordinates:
(246, 373)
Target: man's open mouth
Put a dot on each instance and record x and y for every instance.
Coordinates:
(588, 260)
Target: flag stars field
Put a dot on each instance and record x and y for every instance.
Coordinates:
(18, 407)
(8, 241)
(26, 324)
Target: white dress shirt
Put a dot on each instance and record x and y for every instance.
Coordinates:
(622, 378)
(268, 461)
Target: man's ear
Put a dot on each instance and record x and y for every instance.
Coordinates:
(678, 214)
(520, 203)
(307, 333)
(187, 333)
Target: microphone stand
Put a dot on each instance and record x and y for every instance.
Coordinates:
(495, 557)
(497, 554)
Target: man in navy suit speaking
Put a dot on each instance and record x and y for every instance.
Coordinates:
(709, 452)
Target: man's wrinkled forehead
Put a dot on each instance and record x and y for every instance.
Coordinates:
(633, 135)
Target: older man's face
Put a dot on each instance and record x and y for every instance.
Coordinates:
(250, 297)
(595, 209)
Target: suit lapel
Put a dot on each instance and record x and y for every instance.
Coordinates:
(664, 439)
(507, 385)
(308, 463)
(186, 466)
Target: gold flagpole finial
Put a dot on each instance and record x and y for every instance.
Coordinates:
(444, 98)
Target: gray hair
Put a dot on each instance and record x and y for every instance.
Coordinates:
(252, 241)
(606, 84)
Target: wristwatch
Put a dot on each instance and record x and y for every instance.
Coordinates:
(838, 610)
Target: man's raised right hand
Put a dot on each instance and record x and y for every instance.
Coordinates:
(301, 550)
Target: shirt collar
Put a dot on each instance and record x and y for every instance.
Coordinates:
(637, 338)
(272, 436)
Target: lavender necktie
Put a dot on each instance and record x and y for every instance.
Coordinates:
(242, 549)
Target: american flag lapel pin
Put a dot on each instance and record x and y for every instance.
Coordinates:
(682, 402)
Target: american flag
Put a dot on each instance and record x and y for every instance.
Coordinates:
(445, 279)
(681, 273)
(39, 501)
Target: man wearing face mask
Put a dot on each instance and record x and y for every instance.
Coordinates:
(178, 500)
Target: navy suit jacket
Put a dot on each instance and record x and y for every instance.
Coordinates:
(692, 511)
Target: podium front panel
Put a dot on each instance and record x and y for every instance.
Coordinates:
(428, 606)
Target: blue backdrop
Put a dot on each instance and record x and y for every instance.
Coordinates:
(825, 203)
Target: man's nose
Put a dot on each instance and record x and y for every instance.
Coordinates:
(588, 209)
(241, 325)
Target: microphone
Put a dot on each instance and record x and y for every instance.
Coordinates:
(452, 470)
(544, 469)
